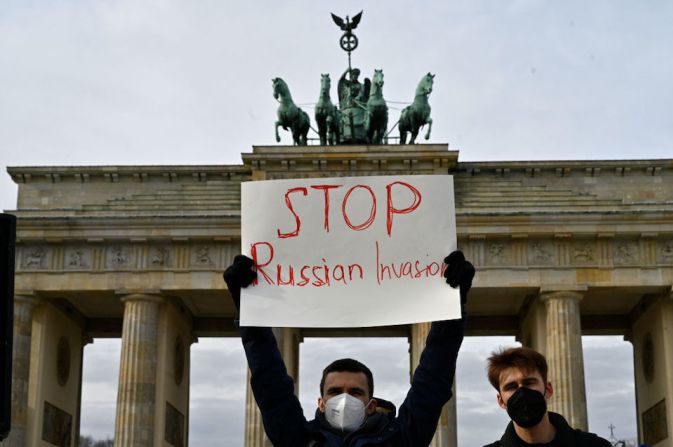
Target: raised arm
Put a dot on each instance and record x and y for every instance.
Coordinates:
(433, 378)
(272, 387)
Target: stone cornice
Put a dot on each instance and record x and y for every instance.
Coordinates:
(598, 223)
(34, 227)
(564, 167)
(84, 174)
(284, 155)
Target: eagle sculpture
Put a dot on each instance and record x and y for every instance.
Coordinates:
(348, 25)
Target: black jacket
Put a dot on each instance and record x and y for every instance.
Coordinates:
(566, 436)
(414, 425)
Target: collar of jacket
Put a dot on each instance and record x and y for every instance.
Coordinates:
(376, 425)
(564, 433)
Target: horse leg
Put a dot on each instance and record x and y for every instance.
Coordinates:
(296, 134)
(414, 134)
(427, 134)
(303, 134)
(368, 126)
(278, 123)
(377, 137)
(402, 125)
(305, 126)
(336, 130)
(328, 131)
(322, 132)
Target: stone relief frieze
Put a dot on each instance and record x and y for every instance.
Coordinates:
(118, 257)
(202, 256)
(493, 252)
(625, 252)
(541, 253)
(665, 252)
(582, 253)
(77, 258)
(498, 253)
(35, 258)
(159, 257)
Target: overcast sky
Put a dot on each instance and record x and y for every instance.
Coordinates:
(178, 82)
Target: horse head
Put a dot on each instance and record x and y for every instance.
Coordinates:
(325, 82)
(425, 86)
(279, 87)
(377, 79)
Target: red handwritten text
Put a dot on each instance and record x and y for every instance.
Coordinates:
(288, 275)
(393, 207)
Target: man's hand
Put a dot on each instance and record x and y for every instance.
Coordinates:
(239, 274)
(459, 273)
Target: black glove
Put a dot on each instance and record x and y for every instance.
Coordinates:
(239, 274)
(459, 273)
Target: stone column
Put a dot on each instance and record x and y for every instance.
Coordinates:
(446, 434)
(23, 328)
(134, 424)
(564, 356)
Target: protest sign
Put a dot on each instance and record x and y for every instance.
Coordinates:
(348, 252)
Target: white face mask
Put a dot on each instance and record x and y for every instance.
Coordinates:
(345, 412)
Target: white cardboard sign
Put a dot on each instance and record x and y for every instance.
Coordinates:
(348, 252)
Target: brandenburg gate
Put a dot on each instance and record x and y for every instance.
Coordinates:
(562, 249)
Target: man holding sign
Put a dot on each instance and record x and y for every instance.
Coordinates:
(349, 252)
(346, 413)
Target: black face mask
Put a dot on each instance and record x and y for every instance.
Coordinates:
(526, 407)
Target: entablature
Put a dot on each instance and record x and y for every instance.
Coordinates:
(276, 162)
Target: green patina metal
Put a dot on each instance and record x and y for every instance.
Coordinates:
(289, 115)
(327, 116)
(417, 114)
(376, 116)
(352, 97)
(362, 114)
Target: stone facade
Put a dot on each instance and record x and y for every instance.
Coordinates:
(561, 248)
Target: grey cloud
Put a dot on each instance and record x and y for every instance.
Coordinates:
(608, 363)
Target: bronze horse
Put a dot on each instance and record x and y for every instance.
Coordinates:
(417, 114)
(289, 115)
(327, 114)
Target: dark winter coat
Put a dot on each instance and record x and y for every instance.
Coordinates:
(566, 436)
(414, 425)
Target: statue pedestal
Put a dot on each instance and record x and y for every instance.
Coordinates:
(284, 162)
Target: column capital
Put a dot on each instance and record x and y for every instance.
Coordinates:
(28, 298)
(143, 297)
(551, 292)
